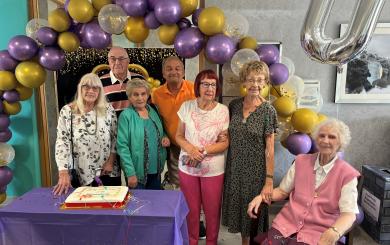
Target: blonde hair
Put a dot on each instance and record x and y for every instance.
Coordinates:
(339, 126)
(258, 66)
(137, 83)
(90, 79)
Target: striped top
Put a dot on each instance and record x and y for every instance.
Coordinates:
(115, 90)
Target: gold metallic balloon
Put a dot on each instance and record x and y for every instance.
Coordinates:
(59, 20)
(24, 92)
(167, 33)
(321, 117)
(68, 41)
(11, 108)
(211, 21)
(243, 91)
(3, 197)
(304, 120)
(81, 10)
(156, 83)
(248, 42)
(136, 30)
(275, 91)
(265, 92)
(98, 4)
(7, 80)
(188, 7)
(284, 106)
(30, 74)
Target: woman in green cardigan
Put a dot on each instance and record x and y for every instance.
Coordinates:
(141, 139)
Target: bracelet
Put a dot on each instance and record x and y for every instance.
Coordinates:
(269, 176)
(335, 230)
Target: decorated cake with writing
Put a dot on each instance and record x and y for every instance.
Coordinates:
(98, 197)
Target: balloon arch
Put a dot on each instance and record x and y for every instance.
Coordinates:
(222, 36)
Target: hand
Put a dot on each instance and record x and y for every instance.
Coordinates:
(253, 206)
(165, 142)
(328, 237)
(266, 192)
(196, 154)
(222, 137)
(193, 163)
(63, 184)
(132, 181)
(108, 167)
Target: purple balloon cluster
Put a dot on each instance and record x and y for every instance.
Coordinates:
(5, 176)
(298, 143)
(269, 54)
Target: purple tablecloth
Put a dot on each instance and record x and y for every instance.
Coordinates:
(153, 217)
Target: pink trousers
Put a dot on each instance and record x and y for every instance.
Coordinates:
(205, 192)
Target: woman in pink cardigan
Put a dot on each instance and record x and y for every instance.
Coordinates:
(322, 190)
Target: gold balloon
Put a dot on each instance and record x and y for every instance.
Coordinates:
(167, 33)
(188, 7)
(11, 108)
(265, 92)
(7, 80)
(156, 83)
(284, 106)
(248, 42)
(81, 10)
(24, 92)
(275, 91)
(3, 197)
(243, 91)
(98, 4)
(30, 74)
(321, 117)
(59, 20)
(136, 30)
(304, 120)
(211, 21)
(68, 41)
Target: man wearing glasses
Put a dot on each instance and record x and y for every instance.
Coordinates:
(115, 82)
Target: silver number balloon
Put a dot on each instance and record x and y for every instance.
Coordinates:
(341, 50)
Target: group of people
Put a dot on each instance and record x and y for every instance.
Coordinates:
(186, 126)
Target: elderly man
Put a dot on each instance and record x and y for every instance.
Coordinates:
(115, 82)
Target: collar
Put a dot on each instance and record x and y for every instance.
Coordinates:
(327, 167)
(114, 79)
(182, 88)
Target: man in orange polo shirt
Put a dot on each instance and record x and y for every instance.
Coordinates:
(169, 98)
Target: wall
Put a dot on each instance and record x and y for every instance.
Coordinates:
(26, 166)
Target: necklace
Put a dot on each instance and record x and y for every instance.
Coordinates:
(88, 125)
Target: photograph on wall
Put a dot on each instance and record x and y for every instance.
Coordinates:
(365, 79)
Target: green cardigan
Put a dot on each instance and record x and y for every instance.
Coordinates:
(130, 142)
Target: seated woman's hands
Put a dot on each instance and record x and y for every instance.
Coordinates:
(165, 142)
(254, 205)
(329, 237)
(63, 184)
(132, 181)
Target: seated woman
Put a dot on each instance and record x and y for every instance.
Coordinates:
(86, 138)
(141, 139)
(322, 190)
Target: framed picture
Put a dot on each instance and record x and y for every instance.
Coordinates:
(366, 78)
(231, 83)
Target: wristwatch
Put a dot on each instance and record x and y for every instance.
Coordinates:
(204, 152)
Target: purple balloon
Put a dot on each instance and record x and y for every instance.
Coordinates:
(220, 48)
(4, 121)
(195, 16)
(51, 58)
(135, 8)
(189, 42)
(22, 47)
(5, 175)
(47, 36)
(151, 21)
(79, 30)
(298, 143)
(7, 63)
(1, 103)
(95, 36)
(168, 11)
(278, 73)
(5, 135)
(152, 3)
(11, 96)
(3, 189)
(313, 148)
(268, 53)
(184, 23)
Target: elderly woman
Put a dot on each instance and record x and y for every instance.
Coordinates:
(202, 161)
(322, 190)
(86, 138)
(141, 139)
(250, 161)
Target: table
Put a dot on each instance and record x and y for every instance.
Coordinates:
(152, 217)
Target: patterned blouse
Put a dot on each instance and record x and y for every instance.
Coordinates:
(94, 139)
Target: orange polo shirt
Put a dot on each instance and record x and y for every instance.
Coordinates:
(169, 104)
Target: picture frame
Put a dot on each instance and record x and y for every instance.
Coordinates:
(366, 79)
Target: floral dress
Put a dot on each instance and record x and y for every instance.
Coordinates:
(93, 138)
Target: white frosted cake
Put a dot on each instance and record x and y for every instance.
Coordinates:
(97, 197)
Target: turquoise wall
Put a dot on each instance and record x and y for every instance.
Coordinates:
(26, 165)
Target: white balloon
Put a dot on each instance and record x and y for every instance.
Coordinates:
(241, 57)
(112, 18)
(7, 154)
(290, 65)
(295, 84)
(236, 25)
(33, 26)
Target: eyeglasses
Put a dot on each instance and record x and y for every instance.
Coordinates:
(207, 85)
(259, 81)
(94, 88)
(120, 59)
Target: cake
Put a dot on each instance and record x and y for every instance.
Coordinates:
(98, 197)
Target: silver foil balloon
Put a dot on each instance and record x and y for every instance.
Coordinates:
(341, 50)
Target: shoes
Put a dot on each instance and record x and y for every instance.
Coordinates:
(202, 231)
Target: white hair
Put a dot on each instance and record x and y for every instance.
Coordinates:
(340, 127)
